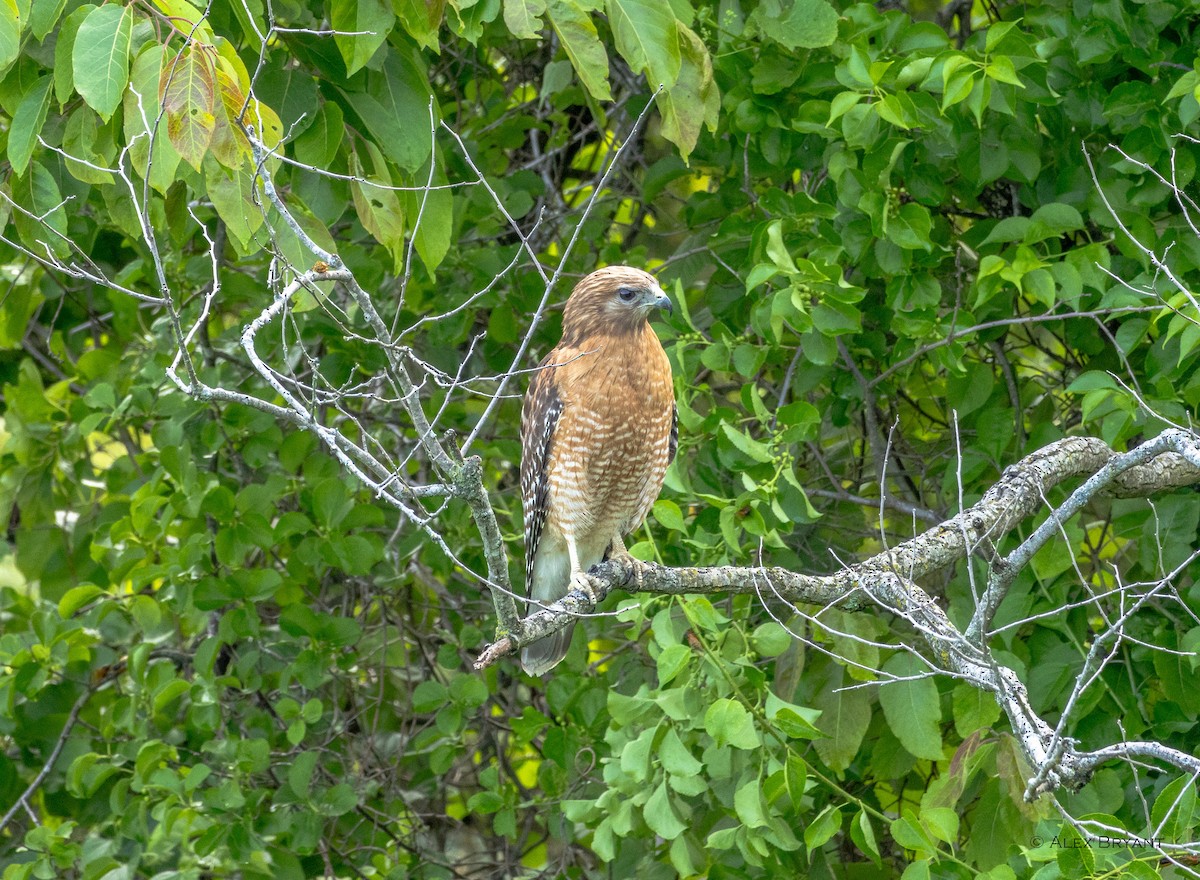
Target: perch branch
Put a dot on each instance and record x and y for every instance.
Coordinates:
(889, 579)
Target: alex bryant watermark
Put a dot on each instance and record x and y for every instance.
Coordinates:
(1103, 841)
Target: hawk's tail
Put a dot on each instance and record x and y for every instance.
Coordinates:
(544, 654)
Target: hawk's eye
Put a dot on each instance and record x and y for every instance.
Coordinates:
(626, 293)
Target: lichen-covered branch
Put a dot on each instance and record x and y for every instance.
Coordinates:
(1169, 461)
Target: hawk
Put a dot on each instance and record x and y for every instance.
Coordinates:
(598, 428)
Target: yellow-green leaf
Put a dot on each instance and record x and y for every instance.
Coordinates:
(10, 33)
(149, 147)
(229, 144)
(582, 44)
(187, 19)
(727, 721)
(189, 98)
(694, 100)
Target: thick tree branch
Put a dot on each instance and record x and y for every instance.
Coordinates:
(889, 580)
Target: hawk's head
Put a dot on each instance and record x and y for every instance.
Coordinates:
(612, 300)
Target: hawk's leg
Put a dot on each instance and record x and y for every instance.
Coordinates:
(616, 550)
(579, 579)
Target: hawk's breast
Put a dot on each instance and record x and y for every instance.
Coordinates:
(612, 444)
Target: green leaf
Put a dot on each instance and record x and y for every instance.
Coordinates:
(188, 19)
(45, 225)
(820, 830)
(422, 19)
(1001, 69)
(100, 57)
(660, 814)
(485, 802)
(395, 110)
(974, 709)
(790, 719)
(645, 34)
(300, 772)
(913, 708)
(997, 32)
(232, 193)
(748, 803)
(362, 26)
(747, 445)
(909, 835)
(1185, 85)
(808, 24)
(428, 695)
(958, 88)
(1052, 220)
(942, 823)
(432, 211)
(841, 103)
(339, 800)
(377, 205)
(668, 515)
(845, 715)
(770, 639)
(795, 775)
(27, 123)
(1009, 229)
(524, 18)
(777, 249)
(470, 690)
(320, 142)
(672, 661)
(1175, 808)
(76, 597)
(43, 15)
(582, 44)
(910, 227)
(675, 756)
(727, 721)
(172, 690)
(918, 870)
(142, 127)
(863, 834)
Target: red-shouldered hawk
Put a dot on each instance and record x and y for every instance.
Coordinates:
(598, 429)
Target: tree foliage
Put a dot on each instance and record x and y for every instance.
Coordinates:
(908, 246)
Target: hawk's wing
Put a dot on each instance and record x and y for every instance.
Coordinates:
(539, 418)
(673, 443)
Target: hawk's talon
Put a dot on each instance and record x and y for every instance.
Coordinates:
(581, 582)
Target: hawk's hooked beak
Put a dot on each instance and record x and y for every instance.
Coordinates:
(661, 300)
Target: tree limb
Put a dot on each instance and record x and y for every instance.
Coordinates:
(1169, 461)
